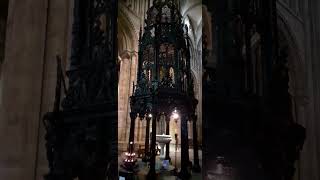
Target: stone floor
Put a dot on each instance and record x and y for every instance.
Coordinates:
(165, 175)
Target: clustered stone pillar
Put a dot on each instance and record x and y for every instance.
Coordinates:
(196, 165)
(146, 144)
(133, 117)
(152, 170)
(168, 133)
(184, 173)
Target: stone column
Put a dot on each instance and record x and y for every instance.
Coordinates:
(146, 143)
(196, 165)
(184, 173)
(167, 133)
(133, 117)
(23, 86)
(152, 170)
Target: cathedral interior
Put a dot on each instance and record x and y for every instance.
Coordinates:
(159, 89)
(133, 25)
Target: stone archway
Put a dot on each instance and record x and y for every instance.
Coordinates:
(128, 60)
(192, 17)
(127, 37)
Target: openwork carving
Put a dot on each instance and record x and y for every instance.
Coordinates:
(164, 81)
(80, 139)
(92, 69)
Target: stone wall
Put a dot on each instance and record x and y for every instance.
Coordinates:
(301, 19)
(22, 82)
(37, 30)
(58, 42)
